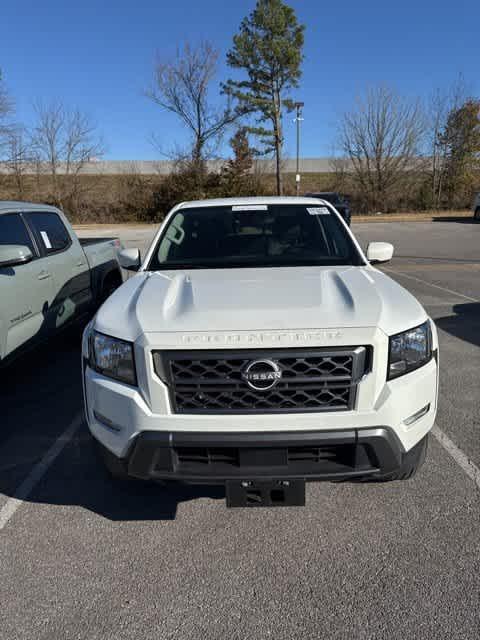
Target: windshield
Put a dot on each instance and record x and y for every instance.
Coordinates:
(254, 236)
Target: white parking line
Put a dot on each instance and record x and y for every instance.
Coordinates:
(430, 284)
(457, 454)
(38, 471)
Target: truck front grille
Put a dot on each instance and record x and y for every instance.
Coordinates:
(306, 380)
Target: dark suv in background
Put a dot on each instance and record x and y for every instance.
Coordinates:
(340, 202)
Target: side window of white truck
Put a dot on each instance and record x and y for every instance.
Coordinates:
(13, 231)
(51, 231)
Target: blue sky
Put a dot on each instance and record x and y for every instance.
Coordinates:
(99, 56)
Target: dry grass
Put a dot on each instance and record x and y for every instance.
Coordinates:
(130, 198)
(125, 197)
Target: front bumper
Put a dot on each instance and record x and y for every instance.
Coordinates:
(219, 457)
(126, 420)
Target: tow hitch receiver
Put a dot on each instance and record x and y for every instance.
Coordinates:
(265, 493)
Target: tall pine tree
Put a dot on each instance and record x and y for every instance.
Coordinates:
(268, 48)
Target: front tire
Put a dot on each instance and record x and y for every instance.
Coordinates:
(111, 284)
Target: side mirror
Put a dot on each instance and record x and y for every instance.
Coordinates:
(12, 255)
(379, 252)
(129, 259)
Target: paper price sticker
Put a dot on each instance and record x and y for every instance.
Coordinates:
(249, 207)
(46, 239)
(318, 211)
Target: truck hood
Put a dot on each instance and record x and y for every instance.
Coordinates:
(258, 299)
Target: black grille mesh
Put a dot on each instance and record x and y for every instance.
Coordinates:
(312, 380)
(231, 369)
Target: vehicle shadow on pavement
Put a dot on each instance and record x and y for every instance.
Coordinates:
(41, 396)
(131, 500)
(465, 324)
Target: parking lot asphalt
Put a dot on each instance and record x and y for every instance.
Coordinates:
(83, 558)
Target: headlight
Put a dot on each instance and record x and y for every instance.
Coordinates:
(113, 358)
(409, 350)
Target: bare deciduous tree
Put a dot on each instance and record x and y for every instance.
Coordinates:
(6, 110)
(19, 160)
(182, 86)
(63, 141)
(382, 138)
(341, 172)
(440, 105)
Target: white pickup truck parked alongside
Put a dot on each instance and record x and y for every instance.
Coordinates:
(48, 277)
(258, 347)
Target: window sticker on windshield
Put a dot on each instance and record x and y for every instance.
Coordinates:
(46, 239)
(318, 211)
(249, 207)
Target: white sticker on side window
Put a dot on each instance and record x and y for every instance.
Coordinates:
(46, 239)
(318, 211)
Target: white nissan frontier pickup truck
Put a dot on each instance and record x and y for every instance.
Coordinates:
(259, 348)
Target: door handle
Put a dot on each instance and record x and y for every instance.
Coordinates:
(80, 264)
(43, 275)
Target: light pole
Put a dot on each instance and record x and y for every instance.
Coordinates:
(298, 106)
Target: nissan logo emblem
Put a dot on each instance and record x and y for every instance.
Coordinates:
(262, 375)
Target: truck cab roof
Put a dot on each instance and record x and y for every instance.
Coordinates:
(9, 206)
(259, 200)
